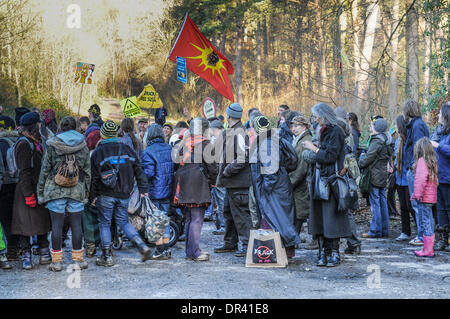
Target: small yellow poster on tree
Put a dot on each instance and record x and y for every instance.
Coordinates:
(149, 98)
(130, 107)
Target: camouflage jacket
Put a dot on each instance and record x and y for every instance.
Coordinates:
(47, 189)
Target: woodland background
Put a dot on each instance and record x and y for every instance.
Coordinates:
(365, 55)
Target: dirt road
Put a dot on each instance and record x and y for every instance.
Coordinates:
(385, 269)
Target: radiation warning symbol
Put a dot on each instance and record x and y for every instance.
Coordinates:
(130, 107)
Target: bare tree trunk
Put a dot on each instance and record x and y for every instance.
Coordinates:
(393, 90)
(440, 48)
(238, 60)
(412, 55)
(356, 52)
(19, 89)
(322, 51)
(264, 34)
(362, 79)
(258, 64)
(428, 48)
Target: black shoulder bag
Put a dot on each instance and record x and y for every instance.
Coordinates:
(110, 177)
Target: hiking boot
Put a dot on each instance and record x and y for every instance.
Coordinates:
(322, 258)
(353, 250)
(168, 253)
(442, 241)
(334, 259)
(90, 250)
(77, 258)
(35, 250)
(4, 264)
(220, 231)
(12, 253)
(225, 249)
(143, 248)
(56, 264)
(106, 258)
(27, 263)
(313, 245)
(242, 252)
(44, 256)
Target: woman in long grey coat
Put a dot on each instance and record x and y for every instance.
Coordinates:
(30, 218)
(325, 222)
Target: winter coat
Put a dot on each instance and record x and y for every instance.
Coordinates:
(400, 178)
(324, 218)
(298, 178)
(273, 190)
(105, 157)
(70, 142)
(425, 190)
(7, 140)
(159, 168)
(443, 159)
(356, 136)
(437, 134)
(26, 220)
(381, 145)
(286, 133)
(415, 130)
(234, 174)
(193, 180)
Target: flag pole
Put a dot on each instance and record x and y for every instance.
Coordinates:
(81, 95)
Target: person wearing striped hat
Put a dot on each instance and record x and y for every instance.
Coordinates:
(111, 195)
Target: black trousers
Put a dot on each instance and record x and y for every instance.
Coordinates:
(26, 244)
(238, 221)
(6, 211)
(406, 209)
(390, 197)
(353, 240)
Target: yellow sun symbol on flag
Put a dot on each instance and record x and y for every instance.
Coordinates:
(209, 59)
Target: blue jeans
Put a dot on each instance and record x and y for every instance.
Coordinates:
(218, 195)
(426, 218)
(164, 205)
(107, 206)
(379, 226)
(410, 177)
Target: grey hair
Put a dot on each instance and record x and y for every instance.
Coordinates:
(325, 112)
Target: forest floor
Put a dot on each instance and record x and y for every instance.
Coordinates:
(385, 269)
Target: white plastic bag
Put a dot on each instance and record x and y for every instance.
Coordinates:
(135, 200)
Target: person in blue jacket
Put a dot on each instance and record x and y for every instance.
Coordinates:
(415, 130)
(443, 196)
(159, 168)
(401, 181)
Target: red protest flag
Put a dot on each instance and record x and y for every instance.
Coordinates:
(203, 58)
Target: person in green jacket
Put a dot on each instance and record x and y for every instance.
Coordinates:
(62, 149)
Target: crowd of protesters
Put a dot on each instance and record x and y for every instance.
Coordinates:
(55, 176)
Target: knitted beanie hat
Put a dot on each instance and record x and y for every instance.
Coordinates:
(234, 111)
(29, 118)
(380, 125)
(109, 130)
(48, 115)
(301, 120)
(261, 124)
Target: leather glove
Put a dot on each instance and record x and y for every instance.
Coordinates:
(31, 201)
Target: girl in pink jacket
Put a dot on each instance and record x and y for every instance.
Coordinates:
(425, 192)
